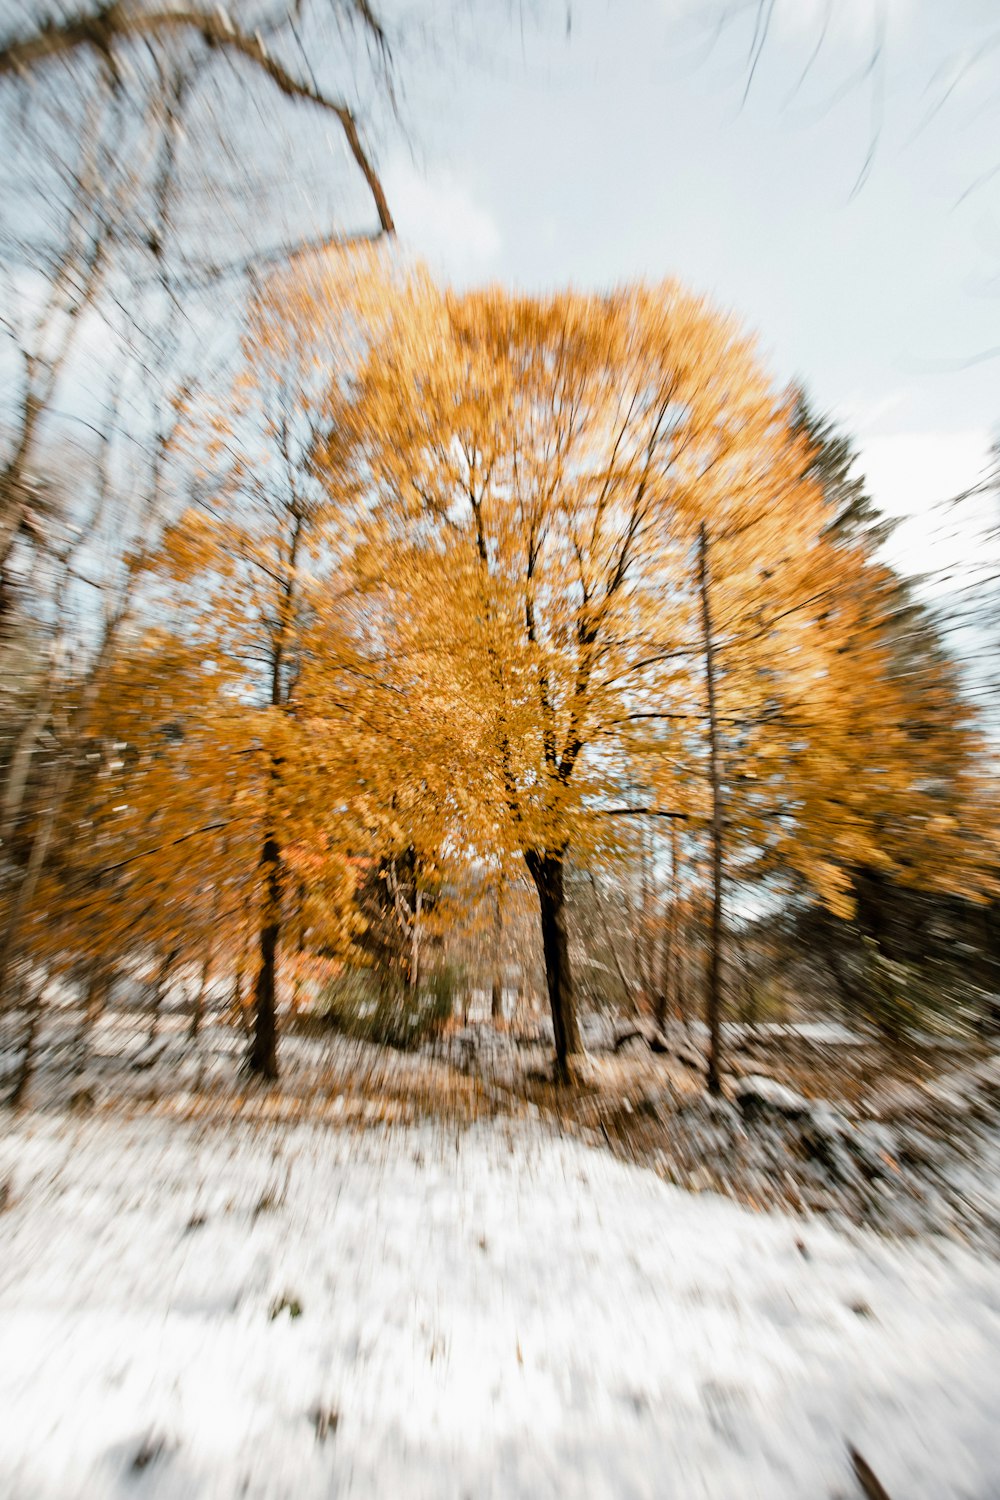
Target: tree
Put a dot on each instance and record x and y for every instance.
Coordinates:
(115, 147)
(562, 453)
(122, 77)
(563, 483)
(261, 554)
(931, 861)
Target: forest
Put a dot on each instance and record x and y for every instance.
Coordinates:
(493, 643)
(472, 754)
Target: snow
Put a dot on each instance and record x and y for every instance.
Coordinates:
(495, 1312)
(818, 1033)
(824, 1033)
(757, 1091)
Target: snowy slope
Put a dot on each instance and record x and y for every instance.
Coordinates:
(496, 1313)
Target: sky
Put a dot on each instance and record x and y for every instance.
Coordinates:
(847, 216)
(845, 205)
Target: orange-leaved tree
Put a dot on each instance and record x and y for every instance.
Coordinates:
(248, 577)
(543, 466)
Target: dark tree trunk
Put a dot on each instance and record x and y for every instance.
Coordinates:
(547, 870)
(263, 1056)
(198, 1009)
(161, 983)
(415, 939)
(496, 997)
(98, 987)
(26, 1069)
(713, 1004)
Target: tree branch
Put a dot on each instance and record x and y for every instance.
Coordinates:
(636, 812)
(118, 23)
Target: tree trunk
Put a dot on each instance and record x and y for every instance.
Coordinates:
(263, 1055)
(161, 984)
(19, 766)
(547, 870)
(415, 937)
(713, 998)
(95, 1000)
(198, 1009)
(262, 1058)
(25, 893)
(669, 989)
(496, 996)
(26, 1069)
(15, 493)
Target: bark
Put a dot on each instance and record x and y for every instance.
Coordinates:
(15, 492)
(95, 1000)
(198, 1009)
(713, 997)
(496, 996)
(19, 766)
(21, 904)
(547, 869)
(263, 1056)
(61, 786)
(415, 937)
(161, 983)
(75, 284)
(19, 1091)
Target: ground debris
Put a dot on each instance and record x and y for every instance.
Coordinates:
(758, 1094)
(152, 1448)
(285, 1303)
(870, 1485)
(325, 1420)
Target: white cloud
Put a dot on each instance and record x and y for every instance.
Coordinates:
(848, 22)
(912, 476)
(439, 217)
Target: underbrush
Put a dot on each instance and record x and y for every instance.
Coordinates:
(905, 1000)
(360, 1004)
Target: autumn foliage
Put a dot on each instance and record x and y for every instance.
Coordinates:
(432, 601)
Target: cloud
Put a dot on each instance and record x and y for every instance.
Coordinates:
(438, 216)
(847, 22)
(912, 476)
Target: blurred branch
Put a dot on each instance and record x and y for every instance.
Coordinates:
(119, 22)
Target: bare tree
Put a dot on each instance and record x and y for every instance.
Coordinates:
(154, 94)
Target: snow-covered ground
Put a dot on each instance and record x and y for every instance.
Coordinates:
(298, 1311)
